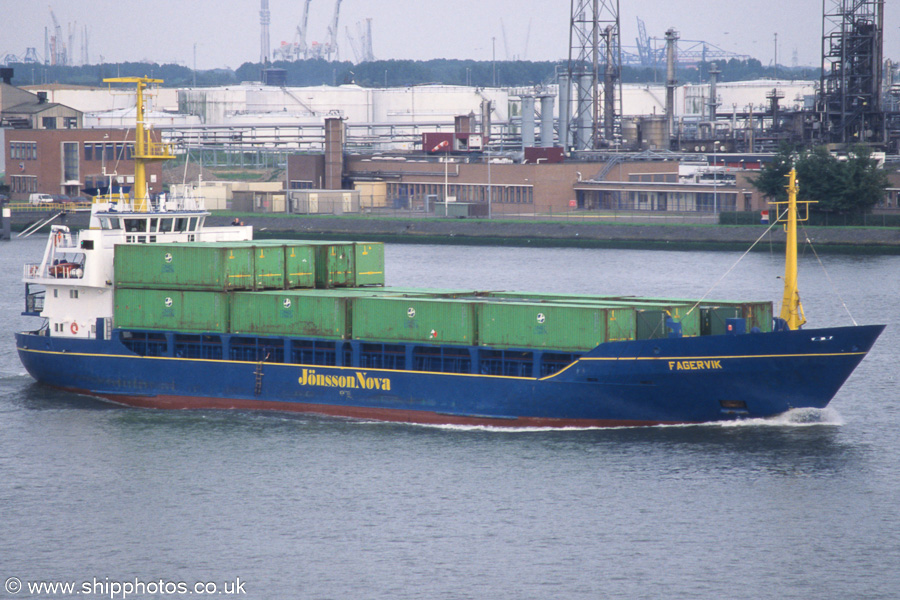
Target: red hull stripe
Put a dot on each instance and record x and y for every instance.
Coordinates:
(355, 412)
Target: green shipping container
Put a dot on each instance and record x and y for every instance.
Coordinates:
(414, 320)
(191, 311)
(556, 298)
(190, 266)
(334, 264)
(651, 324)
(290, 313)
(713, 318)
(268, 266)
(759, 314)
(542, 325)
(369, 263)
(629, 320)
(689, 317)
(620, 324)
(299, 266)
(435, 293)
(299, 262)
(349, 264)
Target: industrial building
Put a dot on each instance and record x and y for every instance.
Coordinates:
(71, 162)
(583, 142)
(475, 183)
(21, 109)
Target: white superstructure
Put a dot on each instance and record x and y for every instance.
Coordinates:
(72, 286)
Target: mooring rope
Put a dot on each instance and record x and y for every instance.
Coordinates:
(827, 276)
(758, 240)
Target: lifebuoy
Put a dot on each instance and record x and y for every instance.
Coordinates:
(74, 328)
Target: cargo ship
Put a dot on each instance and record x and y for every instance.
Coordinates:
(150, 307)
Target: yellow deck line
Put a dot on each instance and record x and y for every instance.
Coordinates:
(682, 358)
(252, 362)
(377, 370)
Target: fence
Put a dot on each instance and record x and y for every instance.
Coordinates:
(819, 219)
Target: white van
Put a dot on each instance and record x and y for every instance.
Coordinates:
(40, 198)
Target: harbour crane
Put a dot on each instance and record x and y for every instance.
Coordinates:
(368, 54)
(354, 46)
(298, 49)
(643, 44)
(505, 45)
(361, 44)
(57, 43)
(301, 32)
(331, 46)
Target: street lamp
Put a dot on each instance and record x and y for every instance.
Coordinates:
(488, 154)
(715, 178)
(445, 146)
(446, 184)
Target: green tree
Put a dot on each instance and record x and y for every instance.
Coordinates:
(844, 186)
(864, 182)
(820, 177)
(772, 178)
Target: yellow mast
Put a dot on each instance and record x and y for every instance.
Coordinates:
(791, 308)
(145, 149)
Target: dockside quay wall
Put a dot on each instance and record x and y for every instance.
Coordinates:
(884, 240)
(559, 232)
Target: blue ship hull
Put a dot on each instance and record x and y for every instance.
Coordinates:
(672, 380)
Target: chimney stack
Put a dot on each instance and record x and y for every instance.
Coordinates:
(671, 38)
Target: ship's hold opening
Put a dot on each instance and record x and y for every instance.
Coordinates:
(382, 356)
(254, 349)
(512, 363)
(351, 353)
(436, 359)
(198, 346)
(146, 343)
(553, 362)
(314, 352)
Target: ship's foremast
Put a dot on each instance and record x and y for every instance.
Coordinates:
(145, 149)
(787, 213)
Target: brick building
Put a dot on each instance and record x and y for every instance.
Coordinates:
(417, 181)
(72, 161)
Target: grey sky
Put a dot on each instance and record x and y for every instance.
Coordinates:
(227, 32)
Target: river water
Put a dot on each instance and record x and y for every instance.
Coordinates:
(801, 506)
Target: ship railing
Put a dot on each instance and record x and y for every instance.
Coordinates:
(113, 202)
(32, 271)
(162, 204)
(157, 150)
(59, 270)
(64, 240)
